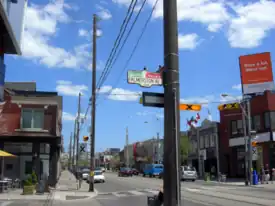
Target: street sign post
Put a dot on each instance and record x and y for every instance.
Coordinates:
(82, 147)
(144, 78)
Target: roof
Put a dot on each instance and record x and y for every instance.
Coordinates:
(30, 93)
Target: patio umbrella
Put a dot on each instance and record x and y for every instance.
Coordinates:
(4, 154)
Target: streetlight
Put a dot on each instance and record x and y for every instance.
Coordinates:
(247, 140)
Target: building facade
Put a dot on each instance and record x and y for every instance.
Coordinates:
(233, 139)
(30, 128)
(12, 14)
(204, 147)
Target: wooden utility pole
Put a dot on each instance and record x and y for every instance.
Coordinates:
(70, 153)
(74, 143)
(77, 135)
(93, 110)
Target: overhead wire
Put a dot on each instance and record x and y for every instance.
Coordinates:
(125, 40)
(121, 33)
(135, 47)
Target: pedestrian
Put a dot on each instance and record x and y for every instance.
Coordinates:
(267, 175)
(262, 175)
(273, 175)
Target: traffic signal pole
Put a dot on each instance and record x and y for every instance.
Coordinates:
(245, 142)
(172, 191)
(93, 114)
(249, 142)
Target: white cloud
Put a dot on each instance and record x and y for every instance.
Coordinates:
(189, 41)
(146, 113)
(204, 100)
(103, 13)
(230, 98)
(251, 24)
(83, 33)
(66, 116)
(237, 87)
(119, 94)
(68, 89)
(41, 27)
(214, 27)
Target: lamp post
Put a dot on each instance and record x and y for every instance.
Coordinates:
(246, 113)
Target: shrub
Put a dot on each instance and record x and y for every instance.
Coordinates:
(33, 178)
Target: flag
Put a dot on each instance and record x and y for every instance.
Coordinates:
(198, 117)
(209, 115)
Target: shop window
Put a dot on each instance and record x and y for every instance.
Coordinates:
(234, 127)
(9, 166)
(256, 123)
(212, 140)
(201, 142)
(272, 120)
(206, 141)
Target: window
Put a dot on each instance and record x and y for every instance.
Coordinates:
(236, 127)
(256, 122)
(201, 142)
(206, 141)
(9, 166)
(212, 140)
(272, 120)
(32, 119)
(267, 120)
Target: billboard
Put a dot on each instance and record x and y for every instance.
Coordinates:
(256, 73)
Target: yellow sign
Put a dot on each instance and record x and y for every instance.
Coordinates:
(254, 144)
(85, 138)
(140, 100)
(229, 106)
(92, 173)
(190, 107)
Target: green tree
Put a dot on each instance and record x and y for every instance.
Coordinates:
(184, 148)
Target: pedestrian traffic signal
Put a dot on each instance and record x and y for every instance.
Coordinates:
(85, 138)
(229, 106)
(190, 107)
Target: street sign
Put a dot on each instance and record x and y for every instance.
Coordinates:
(254, 153)
(82, 147)
(190, 107)
(144, 78)
(229, 106)
(151, 99)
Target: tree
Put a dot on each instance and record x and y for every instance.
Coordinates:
(184, 148)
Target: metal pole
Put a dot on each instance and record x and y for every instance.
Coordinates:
(93, 110)
(171, 117)
(245, 142)
(70, 153)
(158, 142)
(198, 152)
(249, 142)
(77, 138)
(127, 148)
(217, 153)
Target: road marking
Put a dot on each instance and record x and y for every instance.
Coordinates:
(151, 191)
(134, 192)
(119, 195)
(192, 190)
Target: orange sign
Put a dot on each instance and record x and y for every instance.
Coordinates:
(191, 107)
(256, 68)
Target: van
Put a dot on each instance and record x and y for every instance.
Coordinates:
(152, 170)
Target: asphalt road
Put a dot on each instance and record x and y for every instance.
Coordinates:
(133, 191)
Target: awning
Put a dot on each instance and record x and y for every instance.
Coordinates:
(6, 154)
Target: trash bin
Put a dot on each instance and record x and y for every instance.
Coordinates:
(255, 178)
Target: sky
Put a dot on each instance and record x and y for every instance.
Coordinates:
(57, 55)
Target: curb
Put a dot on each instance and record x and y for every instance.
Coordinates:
(80, 199)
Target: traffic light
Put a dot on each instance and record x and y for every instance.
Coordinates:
(229, 106)
(85, 138)
(190, 107)
(254, 143)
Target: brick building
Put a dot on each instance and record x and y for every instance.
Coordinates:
(232, 148)
(30, 127)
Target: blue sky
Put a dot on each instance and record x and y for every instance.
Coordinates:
(212, 35)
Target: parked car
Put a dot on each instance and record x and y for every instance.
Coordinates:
(124, 171)
(161, 175)
(103, 169)
(189, 173)
(152, 170)
(85, 173)
(135, 171)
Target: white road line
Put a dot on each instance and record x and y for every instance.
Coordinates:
(134, 192)
(151, 191)
(192, 190)
(119, 195)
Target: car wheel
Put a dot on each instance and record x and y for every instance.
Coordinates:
(143, 175)
(193, 180)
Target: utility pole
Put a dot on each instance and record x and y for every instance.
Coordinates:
(74, 143)
(127, 147)
(249, 142)
(70, 153)
(77, 138)
(93, 110)
(171, 105)
(158, 148)
(217, 152)
(245, 142)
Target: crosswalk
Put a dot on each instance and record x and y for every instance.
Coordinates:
(209, 188)
(129, 193)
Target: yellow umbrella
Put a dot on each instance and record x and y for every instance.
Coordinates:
(4, 154)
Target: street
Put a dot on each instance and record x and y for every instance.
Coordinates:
(133, 191)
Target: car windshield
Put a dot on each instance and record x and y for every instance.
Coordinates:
(98, 173)
(85, 170)
(187, 168)
(125, 169)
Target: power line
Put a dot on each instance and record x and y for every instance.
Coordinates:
(118, 39)
(124, 42)
(136, 45)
